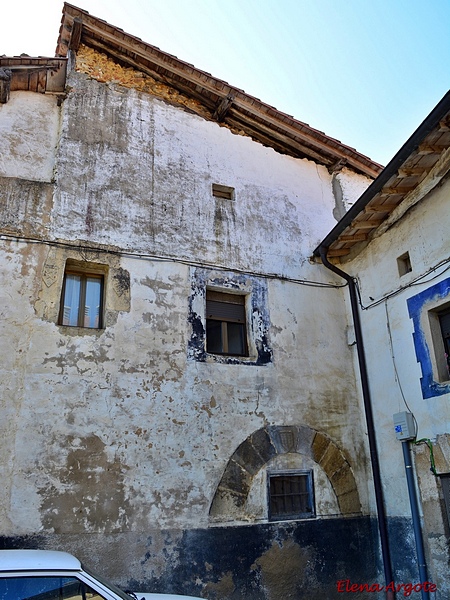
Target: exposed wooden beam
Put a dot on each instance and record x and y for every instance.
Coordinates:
(223, 108)
(366, 224)
(357, 237)
(430, 149)
(412, 172)
(395, 191)
(380, 208)
(444, 125)
(338, 252)
(75, 36)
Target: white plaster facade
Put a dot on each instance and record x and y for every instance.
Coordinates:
(133, 432)
(151, 412)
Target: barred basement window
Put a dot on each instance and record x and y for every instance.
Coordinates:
(82, 299)
(226, 331)
(291, 495)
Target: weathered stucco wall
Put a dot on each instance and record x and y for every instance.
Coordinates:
(126, 433)
(401, 357)
(143, 179)
(29, 128)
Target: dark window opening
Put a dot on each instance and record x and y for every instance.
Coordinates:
(82, 300)
(404, 264)
(444, 321)
(222, 191)
(291, 495)
(445, 484)
(226, 331)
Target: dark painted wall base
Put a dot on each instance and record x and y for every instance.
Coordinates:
(278, 561)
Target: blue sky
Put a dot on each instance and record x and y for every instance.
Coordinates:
(366, 72)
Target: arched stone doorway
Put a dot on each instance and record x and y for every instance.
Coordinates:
(269, 442)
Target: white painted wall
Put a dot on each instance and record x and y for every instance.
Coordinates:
(152, 429)
(29, 126)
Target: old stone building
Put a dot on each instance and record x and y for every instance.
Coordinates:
(181, 401)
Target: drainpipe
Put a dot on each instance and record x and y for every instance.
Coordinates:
(382, 521)
(423, 571)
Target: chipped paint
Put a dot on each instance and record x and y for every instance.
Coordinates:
(122, 435)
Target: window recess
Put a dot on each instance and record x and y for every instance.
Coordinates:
(404, 264)
(290, 495)
(222, 191)
(82, 299)
(226, 331)
(444, 322)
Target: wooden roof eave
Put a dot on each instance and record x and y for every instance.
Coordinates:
(198, 84)
(402, 184)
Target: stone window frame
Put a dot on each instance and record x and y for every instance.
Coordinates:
(117, 293)
(306, 474)
(424, 310)
(257, 315)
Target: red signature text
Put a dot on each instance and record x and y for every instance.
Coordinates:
(345, 585)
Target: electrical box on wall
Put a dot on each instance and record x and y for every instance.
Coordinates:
(404, 426)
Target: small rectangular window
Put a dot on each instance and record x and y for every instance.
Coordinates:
(226, 331)
(222, 191)
(82, 300)
(291, 495)
(404, 264)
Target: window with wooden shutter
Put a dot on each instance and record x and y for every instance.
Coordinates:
(226, 331)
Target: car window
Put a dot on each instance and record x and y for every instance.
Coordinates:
(46, 588)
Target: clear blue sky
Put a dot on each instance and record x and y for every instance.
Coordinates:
(366, 72)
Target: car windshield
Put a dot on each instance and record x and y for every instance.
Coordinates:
(108, 584)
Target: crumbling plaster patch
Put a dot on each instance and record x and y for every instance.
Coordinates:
(257, 314)
(25, 206)
(98, 66)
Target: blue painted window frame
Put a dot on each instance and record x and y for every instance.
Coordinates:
(416, 306)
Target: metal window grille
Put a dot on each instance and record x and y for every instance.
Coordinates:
(291, 495)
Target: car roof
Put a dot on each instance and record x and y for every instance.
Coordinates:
(30, 560)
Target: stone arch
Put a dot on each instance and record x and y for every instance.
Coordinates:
(266, 443)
